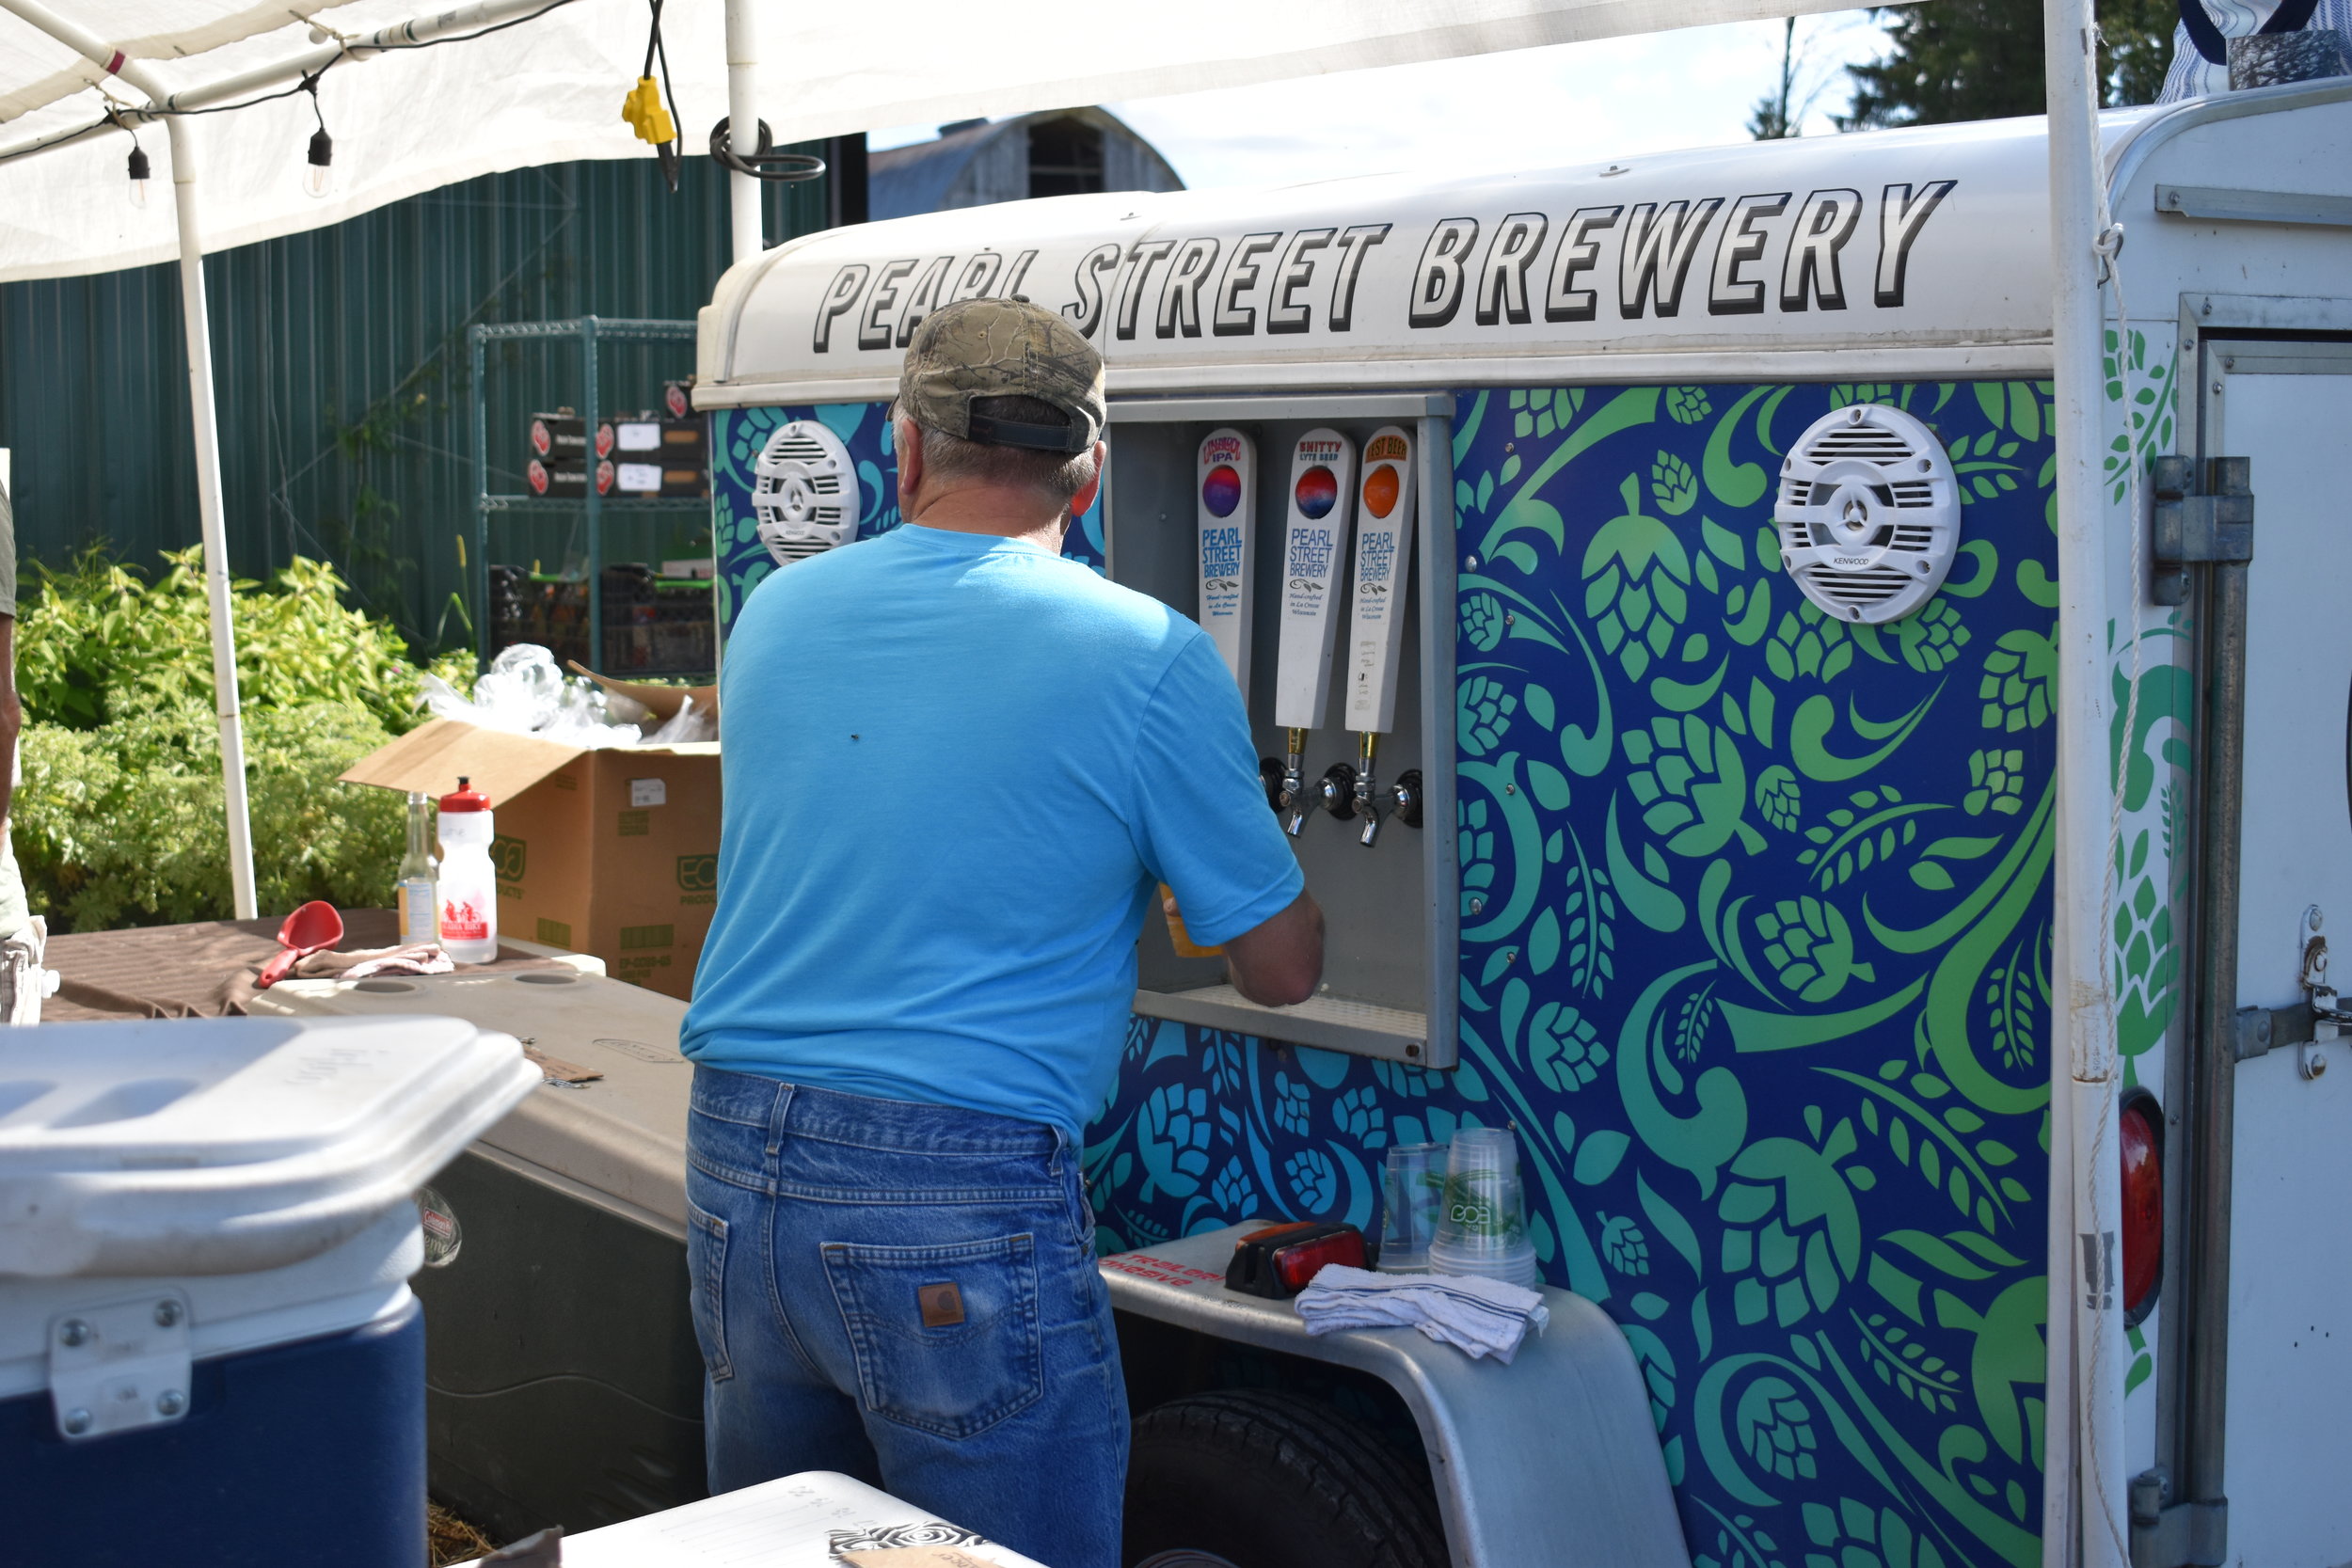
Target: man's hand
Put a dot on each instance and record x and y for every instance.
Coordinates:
(1277, 963)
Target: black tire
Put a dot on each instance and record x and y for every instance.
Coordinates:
(1266, 1480)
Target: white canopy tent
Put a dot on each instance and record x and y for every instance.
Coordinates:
(525, 82)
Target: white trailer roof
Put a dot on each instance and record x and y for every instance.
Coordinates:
(1925, 250)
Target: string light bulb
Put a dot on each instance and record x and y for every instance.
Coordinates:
(138, 176)
(320, 174)
(317, 176)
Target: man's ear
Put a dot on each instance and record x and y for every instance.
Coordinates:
(1083, 500)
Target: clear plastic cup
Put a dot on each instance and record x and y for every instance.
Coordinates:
(1411, 1190)
(1482, 1218)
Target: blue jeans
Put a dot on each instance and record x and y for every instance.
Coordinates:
(906, 1293)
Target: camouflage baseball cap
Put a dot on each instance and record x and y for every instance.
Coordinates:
(993, 348)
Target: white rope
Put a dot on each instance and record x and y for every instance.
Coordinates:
(2108, 247)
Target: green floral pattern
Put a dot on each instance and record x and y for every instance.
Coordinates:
(1756, 916)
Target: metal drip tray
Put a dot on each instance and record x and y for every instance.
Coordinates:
(1333, 1022)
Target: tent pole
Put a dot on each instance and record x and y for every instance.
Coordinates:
(210, 509)
(743, 191)
(202, 410)
(2083, 1510)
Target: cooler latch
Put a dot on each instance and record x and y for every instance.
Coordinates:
(121, 1367)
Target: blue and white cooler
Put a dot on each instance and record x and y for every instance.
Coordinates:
(208, 1349)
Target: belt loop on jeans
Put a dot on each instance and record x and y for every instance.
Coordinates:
(778, 1115)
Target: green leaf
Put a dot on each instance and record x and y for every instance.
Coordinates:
(1597, 1157)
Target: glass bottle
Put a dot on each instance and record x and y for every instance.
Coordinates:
(418, 868)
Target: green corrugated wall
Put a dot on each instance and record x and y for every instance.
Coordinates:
(340, 357)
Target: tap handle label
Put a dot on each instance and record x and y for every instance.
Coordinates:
(1226, 488)
(1384, 558)
(1315, 547)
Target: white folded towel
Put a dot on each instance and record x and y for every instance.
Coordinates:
(1481, 1317)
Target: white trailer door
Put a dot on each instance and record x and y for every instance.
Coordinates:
(2288, 406)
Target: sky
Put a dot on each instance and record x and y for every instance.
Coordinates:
(1572, 103)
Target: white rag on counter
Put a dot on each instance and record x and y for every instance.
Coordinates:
(1482, 1317)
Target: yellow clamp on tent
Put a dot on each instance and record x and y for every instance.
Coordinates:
(645, 113)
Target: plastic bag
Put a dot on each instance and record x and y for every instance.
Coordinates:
(525, 692)
(684, 727)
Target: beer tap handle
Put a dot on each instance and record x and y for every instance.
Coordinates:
(1293, 798)
(1367, 801)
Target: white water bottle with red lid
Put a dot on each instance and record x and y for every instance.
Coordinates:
(468, 890)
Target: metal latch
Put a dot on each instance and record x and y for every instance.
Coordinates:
(2175, 1535)
(121, 1367)
(2309, 1025)
(2204, 511)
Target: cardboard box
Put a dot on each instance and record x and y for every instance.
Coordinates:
(565, 476)
(612, 852)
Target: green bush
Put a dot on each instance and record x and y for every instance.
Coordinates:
(118, 819)
(102, 642)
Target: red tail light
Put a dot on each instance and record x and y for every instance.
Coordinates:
(2142, 1141)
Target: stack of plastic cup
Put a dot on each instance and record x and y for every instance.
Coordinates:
(1482, 1219)
(1409, 1208)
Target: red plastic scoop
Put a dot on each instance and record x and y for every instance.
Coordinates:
(313, 928)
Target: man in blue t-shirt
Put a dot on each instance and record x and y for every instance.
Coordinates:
(956, 764)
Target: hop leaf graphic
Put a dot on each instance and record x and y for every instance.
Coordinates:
(1673, 483)
(1315, 1182)
(1792, 1237)
(1294, 1108)
(1691, 785)
(2016, 685)
(1997, 780)
(1775, 1427)
(1624, 1247)
(1476, 852)
(1234, 1194)
(1481, 621)
(1359, 1114)
(1482, 714)
(1778, 799)
(1810, 946)
(1931, 639)
(1852, 1536)
(1542, 413)
(1807, 642)
(1174, 1139)
(1687, 405)
(1636, 583)
(1563, 1048)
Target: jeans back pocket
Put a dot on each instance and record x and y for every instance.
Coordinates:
(707, 1262)
(947, 1338)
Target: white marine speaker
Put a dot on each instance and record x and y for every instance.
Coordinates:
(1869, 514)
(804, 492)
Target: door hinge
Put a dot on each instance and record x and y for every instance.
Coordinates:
(2204, 511)
(2185, 1535)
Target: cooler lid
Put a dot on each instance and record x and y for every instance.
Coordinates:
(225, 1146)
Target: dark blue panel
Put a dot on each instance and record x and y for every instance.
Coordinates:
(1756, 915)
(304, 1453)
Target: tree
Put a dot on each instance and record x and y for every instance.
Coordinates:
(1981, 59)
(1771, 120)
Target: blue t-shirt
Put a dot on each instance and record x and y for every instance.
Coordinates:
(954, 767)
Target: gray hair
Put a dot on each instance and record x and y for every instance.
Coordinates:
(1059, 476)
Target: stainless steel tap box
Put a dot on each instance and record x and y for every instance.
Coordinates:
(1393, 908)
